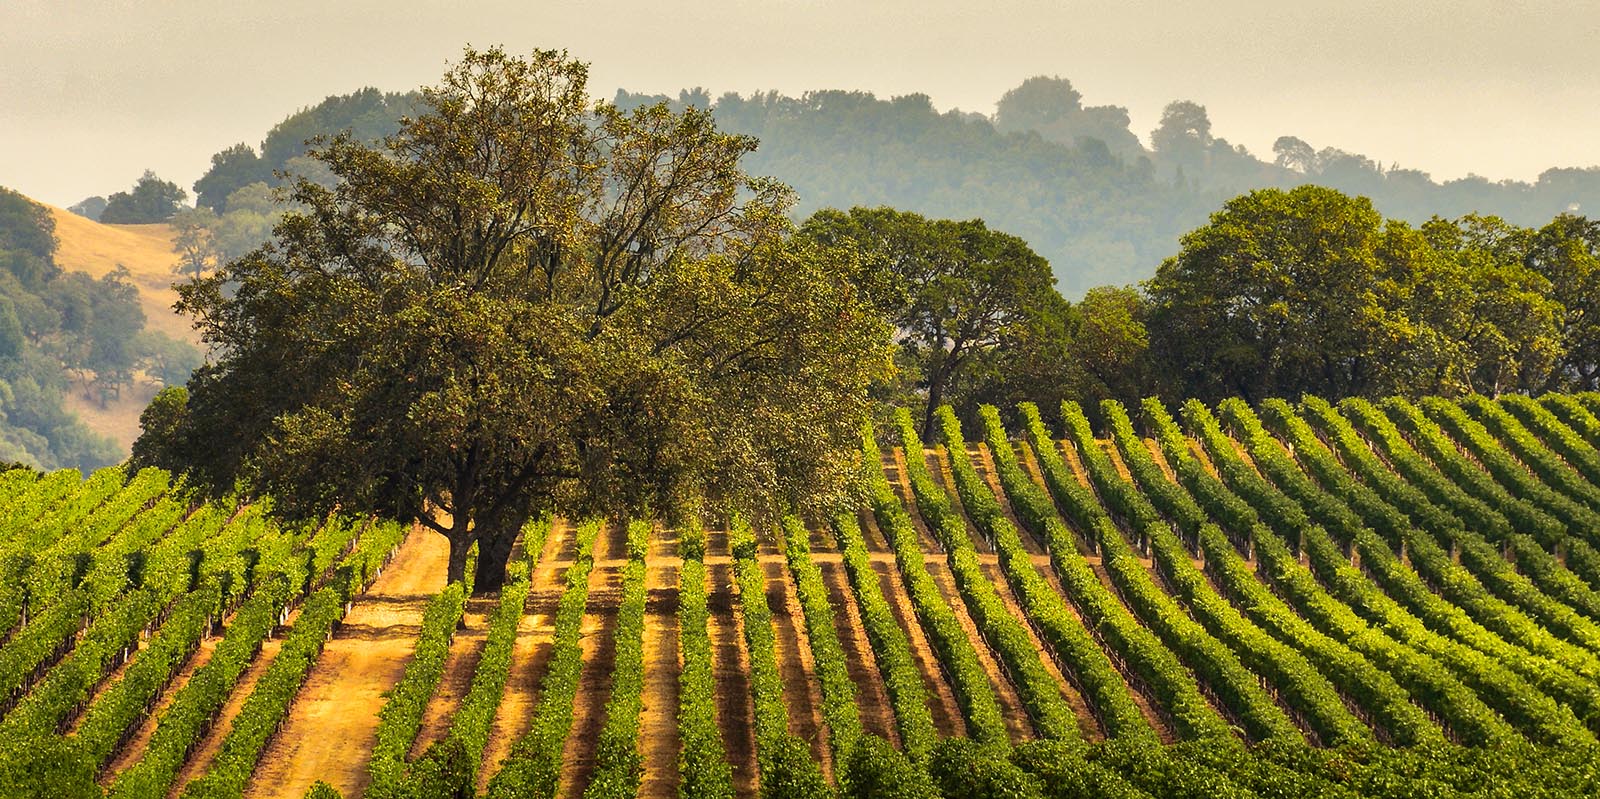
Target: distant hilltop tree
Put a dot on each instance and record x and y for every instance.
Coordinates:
(367, 115)
(89, 207)
(1053, 109)
(151, 200)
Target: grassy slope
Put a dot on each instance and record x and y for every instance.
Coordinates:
(146, 250)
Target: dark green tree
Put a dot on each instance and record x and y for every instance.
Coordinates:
(1566, 252)
(523, 302)
(954, 290)
(231, 170)
(1110, 347)
(1499, 316)
(27, 240)
(1282, 293)
(150, 200)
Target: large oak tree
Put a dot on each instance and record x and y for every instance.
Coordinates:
(525, 302)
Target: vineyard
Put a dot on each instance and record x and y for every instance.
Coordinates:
(1291, 600)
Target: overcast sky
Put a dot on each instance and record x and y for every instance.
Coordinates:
(94, 91)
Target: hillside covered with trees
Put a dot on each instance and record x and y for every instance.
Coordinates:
(1075, 181)
(59, 331)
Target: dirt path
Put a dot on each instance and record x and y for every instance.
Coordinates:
(942, 704)
(1069, 453)
(820, 537)
(767, 546)
(206, 751)
(947, 718)
(658, 718)
(329, 732)
(1243, 452)
(530, 655)
(716, 543)
(1087, 722)
(872, 697)
(902, 490)
(1161, 459)
(801, 692)
(873, 537)
(1017, 724)
(1198, 450)
(1140, 697)
(1109, 447)
(1030, 466)
(731, 668)
(983, 464)
(598, 640)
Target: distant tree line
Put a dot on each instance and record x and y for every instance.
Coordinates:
(1073, 180)
(520, 301)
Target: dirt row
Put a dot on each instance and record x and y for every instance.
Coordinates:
(333, 721)
(1016, 718)
(947, 718)
(658, 718)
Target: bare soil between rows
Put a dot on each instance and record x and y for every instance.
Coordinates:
(333, 723)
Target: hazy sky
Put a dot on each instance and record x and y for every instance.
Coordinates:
(93, 92)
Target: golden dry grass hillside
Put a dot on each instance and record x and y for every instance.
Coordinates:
(146, 251)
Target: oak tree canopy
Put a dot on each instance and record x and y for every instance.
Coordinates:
(526, 302)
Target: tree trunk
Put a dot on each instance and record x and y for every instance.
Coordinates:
(935, 398)
(460, 544)
(494, 552)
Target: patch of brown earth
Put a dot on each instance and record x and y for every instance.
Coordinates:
(331, 726)
(133, 749)
(658, 718)
(597, 640)
(530, 655)
(872, 697)
(731, 669)
(801, 693)
(1018, 727)
(942, 704)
